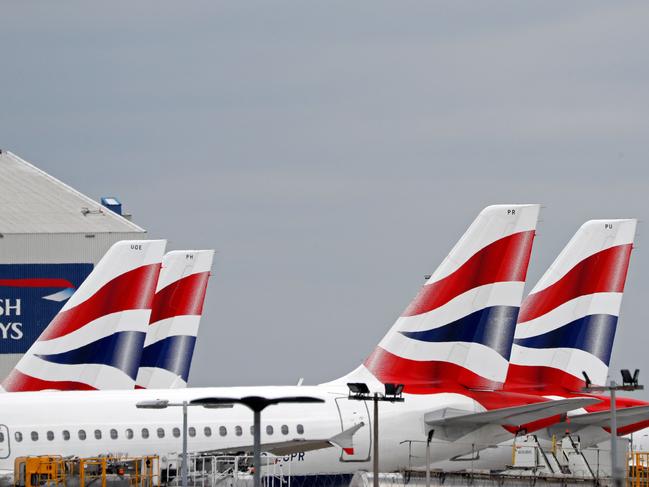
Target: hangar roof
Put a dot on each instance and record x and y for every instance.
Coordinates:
(32, 201)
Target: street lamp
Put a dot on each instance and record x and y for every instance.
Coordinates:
(164, 404)
(257, 404)
(358, 391)
(629, 383)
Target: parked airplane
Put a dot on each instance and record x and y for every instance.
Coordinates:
(176, 315)
(567, 325)
(454, 335)
(109, 312)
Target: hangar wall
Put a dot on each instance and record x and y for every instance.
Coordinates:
(51, 236)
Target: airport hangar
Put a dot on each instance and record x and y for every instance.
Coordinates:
(51, 236)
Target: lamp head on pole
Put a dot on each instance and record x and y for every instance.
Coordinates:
(153, 404)
(256, 403)
(393, 392)
(629, 380)
(358, 388)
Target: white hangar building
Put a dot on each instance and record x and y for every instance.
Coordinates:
(51, 236)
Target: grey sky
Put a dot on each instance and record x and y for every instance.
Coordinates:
(333, 152)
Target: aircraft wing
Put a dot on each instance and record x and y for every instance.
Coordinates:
(625, 417)
(343, 440)
(452, 424)
(280, 448)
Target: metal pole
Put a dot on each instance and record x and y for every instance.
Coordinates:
(256, 459)
(375, 469)
(430, 437)
(617, 478)
(428, 464)
(184, 464)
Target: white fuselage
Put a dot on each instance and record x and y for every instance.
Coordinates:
(89, 423)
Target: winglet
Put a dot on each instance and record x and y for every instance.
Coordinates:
(345, 439)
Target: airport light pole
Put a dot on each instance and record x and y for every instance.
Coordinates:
(629, 383)
(164, 404)
(428, 440)
(257, 404)
(358, 391)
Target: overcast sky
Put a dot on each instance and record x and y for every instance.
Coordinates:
(333, 152)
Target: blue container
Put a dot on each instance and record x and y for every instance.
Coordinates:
(112, 204)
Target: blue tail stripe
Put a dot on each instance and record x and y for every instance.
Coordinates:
(593, 334)
(492, 327)
(121, 350)
(174, 354)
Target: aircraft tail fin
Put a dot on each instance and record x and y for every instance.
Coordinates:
(459, 328)
(176, 315)
(96, 340)
(567, 323)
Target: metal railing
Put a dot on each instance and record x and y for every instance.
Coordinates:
(637, 469)
(229, 471)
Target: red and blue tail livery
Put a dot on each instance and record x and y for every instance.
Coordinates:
(176, 315)
(96, 339)
(567, 323)
(459, 328)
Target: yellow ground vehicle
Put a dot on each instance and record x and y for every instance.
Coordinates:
(638, 469)
(41, 470)
(105, 471)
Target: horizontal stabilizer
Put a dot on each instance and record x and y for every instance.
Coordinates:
(625, 417)
(452, 424)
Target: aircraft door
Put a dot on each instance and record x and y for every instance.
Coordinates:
(352, 413)
(4, 441)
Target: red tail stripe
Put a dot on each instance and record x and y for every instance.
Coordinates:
(503, 260)
(132, 290)
(36, 282)
(602, 272)
(19, 382)
(180, 298)
(632, 428)
(621, 403)
(528, 378)
(605, 405)
(415, 374)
